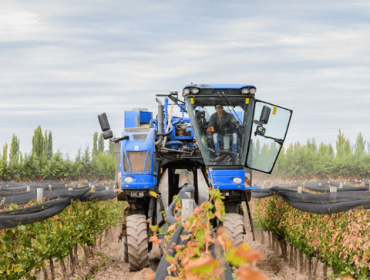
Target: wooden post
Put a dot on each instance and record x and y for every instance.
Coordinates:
(291, 255)
(40, 194)
(301, 262)
(262, 237)
(276, 244)
(187, 209)
(269, 238)
(52, 270)
(283, 247)
(310, 270)
(295, 258)
(333, 194)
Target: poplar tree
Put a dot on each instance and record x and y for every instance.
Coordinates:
(101, 144)
(95, 144)
(14, 151)
(111, 147)
(3, 162)
(38, 143)
(5, 152)
(49, 148)
(45, 144)
(360, 146)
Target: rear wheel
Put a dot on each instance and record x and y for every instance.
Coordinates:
(137, 242)
(234, 226)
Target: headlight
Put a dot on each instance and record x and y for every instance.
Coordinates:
(237, 180)
(245, 90)
(128, 179)
(185, 92)
(252, 90)
(194, 90)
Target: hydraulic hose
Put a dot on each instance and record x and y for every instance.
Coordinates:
(151, 209)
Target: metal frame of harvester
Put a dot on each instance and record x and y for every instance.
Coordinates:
(157, 156)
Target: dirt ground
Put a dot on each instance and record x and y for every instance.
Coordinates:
(108, 263)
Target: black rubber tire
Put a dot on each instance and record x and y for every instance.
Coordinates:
(137, 241)
(125, 252)
(234, 226)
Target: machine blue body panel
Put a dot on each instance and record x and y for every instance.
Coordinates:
(222, 179)
(132, 118)
(135, 118)
(220, 86)
(144, 168)
(145, 117)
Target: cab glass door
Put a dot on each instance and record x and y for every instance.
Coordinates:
(269, 129)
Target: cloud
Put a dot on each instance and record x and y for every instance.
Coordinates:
(65, 62)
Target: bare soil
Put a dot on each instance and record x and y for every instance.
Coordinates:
(273, 266)
(108, 263)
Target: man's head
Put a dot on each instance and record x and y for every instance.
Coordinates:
(219, 109)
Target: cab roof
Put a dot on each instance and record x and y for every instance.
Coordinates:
(220, 86)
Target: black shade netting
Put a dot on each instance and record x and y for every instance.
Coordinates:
(20, 217)
(325, 202)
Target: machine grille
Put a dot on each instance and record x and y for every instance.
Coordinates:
(137, 160)
(139, 137)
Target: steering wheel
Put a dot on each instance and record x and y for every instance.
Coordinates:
(230, 127)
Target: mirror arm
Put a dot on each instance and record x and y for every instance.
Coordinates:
(116, 140)
(279, 141)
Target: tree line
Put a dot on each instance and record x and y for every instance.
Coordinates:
(321, 161)
(298, 161)
(42, 163)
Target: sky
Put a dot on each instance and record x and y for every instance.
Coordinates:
(64, 62)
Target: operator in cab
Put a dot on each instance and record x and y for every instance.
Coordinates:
(222, 124)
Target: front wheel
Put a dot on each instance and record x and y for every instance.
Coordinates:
(137, 242)
(234, 226)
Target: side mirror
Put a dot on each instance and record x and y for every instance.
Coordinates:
(265, 114)
(107, 134)
(105, 127)
(103, 121)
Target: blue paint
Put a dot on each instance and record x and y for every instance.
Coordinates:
(137, 118)
(146, 148)
(132, 118)
(145, 117)
(139, 182)
(222, 179)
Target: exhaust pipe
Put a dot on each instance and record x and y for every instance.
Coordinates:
(160, 122)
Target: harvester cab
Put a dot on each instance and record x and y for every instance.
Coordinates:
(223, 134)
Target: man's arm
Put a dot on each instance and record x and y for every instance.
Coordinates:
(231, 118)
(212, 122)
